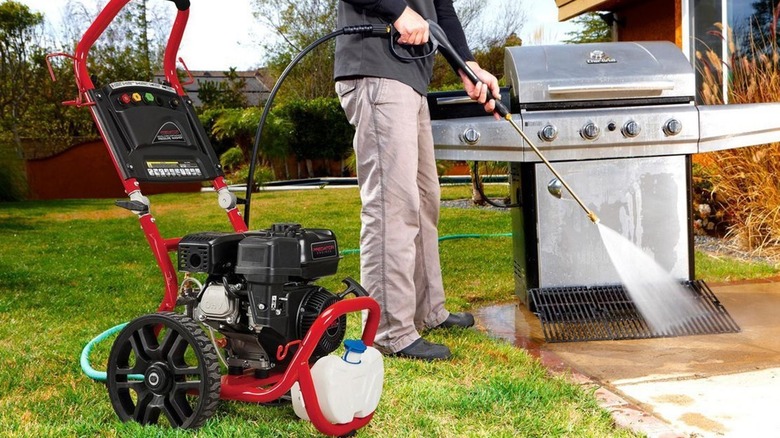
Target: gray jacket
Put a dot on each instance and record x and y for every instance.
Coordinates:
(359, 56)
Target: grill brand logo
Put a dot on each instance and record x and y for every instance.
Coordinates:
(168, 132)
(599, 57)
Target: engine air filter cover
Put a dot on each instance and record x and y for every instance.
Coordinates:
(210, 252)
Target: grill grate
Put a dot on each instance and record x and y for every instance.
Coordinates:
(579, 313)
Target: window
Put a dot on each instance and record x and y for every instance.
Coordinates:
(750, 22)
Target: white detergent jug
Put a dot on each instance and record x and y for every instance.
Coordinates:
(348, 387)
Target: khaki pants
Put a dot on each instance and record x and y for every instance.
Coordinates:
(399, 190)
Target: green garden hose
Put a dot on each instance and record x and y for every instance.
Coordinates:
(92, 373)
(443, 238)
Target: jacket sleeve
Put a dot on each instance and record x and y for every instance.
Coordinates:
(452, 27)
(388, 9)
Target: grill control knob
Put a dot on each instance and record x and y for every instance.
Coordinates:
(590, 131)
(548, 133)
(471, 136)
(631, 129)
(672, 127)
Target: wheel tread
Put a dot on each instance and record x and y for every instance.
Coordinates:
(210, 355)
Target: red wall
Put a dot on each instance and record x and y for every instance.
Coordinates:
(85, 171)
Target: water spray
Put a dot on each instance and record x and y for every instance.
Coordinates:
(438, 37)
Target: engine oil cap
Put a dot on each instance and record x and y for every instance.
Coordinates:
(355, 346)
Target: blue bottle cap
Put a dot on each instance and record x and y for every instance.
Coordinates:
(355, 345)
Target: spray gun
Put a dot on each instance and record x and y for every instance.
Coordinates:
(456, 61)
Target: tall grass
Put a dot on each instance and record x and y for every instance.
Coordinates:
(746, 180)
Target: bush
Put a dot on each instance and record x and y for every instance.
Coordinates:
(239, 126)
(709, 213)
(13, 183)
(320, 129)
(263, 174)
(232, 159)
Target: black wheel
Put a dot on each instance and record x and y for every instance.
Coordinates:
(179, 367)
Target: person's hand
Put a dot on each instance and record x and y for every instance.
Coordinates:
(412, 28)
(485, 91)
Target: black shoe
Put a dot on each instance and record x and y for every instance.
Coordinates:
(424, 350)
(460, 319)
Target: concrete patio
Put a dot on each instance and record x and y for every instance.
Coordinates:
(697, 386)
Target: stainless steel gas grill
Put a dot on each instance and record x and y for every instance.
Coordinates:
(619, 123)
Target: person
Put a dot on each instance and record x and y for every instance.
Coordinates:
(383, 94)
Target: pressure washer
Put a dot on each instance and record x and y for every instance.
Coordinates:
(278, 328)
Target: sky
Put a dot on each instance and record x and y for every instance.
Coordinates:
(219, 37)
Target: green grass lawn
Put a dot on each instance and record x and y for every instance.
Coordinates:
(71, 269)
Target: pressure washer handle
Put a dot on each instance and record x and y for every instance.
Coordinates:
(458, 63)
(367, 29)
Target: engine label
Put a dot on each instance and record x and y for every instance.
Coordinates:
(324, 249)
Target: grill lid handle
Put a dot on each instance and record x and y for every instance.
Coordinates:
(456, 100)
(646, 88)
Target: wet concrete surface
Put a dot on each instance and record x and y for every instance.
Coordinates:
(704, 385)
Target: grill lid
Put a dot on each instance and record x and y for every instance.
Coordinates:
(599, 71)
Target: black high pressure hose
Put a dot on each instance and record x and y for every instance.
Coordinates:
(363, 29)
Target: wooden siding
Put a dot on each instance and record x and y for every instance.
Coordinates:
(85, 171)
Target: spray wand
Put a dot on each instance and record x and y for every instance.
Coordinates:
(456, 61)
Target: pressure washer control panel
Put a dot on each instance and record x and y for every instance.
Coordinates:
(154, 133)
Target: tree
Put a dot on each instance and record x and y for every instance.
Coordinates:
(30, 102)
(20, 32)
(484, 27)
(224, 94)
(132, 47)
(757, 34)
(314, 76)
(592, 29)
(298, 23)
(490, 58)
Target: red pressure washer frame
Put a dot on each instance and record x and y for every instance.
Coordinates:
(244, 387)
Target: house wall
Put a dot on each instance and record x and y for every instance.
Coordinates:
(640, 20)
(650, 20)
(85, 171)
